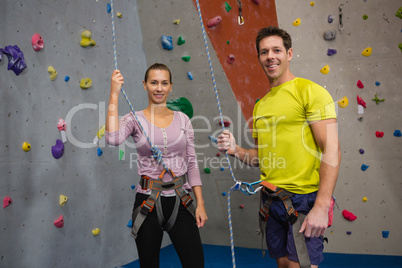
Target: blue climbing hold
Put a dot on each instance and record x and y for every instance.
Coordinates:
(67, 78)
(190, 76)
(222, 168)
(133, 187)
(130, 224)
(364, 167)
(100, 152)
(385, 234)
(377, 83)
(224, 193)
(361, 151)
(397, 133)
(167, 42)
(108, 8)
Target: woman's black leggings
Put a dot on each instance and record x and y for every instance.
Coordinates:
(184, 235)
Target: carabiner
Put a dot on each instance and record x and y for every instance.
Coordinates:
(240, 20)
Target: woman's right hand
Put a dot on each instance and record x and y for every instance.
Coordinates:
(117, 82)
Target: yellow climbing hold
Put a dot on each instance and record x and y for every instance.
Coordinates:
(325, 69)
(52, 72)
(296, 22)
(344, 102)
(86, 39)
(85, 83)
(367, 52)
(63, 200)
(312, 4)
(119, 15)
(101, 132)
(176, 21)
(95, 232)
(364, 199)
(26, 146)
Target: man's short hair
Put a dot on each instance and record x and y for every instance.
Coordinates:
(273, 31)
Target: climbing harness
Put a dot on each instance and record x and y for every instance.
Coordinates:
(156, 187)
(271, 192)
(240, 18)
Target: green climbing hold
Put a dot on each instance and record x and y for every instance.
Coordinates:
(182, 105)
(257, 101)
(180, 41)
(377, 100)
(121, 153)
(186, 58)
(228, 7)
(400, 46)
(207, 170)
(228, 42)
(365, 17)
(399, 13)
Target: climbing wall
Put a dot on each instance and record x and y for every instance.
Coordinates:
(99, 187)
(373, 195)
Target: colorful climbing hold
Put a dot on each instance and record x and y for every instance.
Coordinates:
(61, 125)
(257, 2)
(331, 52)
(399, 13)
(329, 35)
(96, 232)
(377, 83)
(177, 22)
(130, 224)
(312, 4)
(67, 78)
(167, 42)
(63, 200)
(348, 215)
(37, 42)
(360, 84)
(397, 133)
(365, 17)
(325, 69)
(361, 151)
(360, 101)
(190, 76)
(330, 18)
(16, 60)
(228, 42)
(52, 73)
(101, 132)
(133, 187)
(186, 58)
(227, 7)
(86, 39)
(379, 134)
(296, 22)
(367, 51)
(59, 223)
(7, 201)
(230, 59)
(364, 167)
(364, 199)
(26, 146)
(344, 102)
(385, 234)
(119, 15)
(226, 123)
(400, 46)
(377, 100)
(218, 154)
(108, 8)
(349, 232)
(180, 41)
(99, 151)
(224, 193)
(121, 154)
(58, 149)
(182, 105)
(241, 206)
(214, 21)
(222, 168)
(85, 83)
(207, 170)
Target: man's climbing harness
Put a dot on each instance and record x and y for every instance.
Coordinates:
(156, 187)
(271, 192)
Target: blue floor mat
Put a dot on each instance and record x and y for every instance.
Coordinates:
(220, 256)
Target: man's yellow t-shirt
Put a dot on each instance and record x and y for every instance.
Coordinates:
(288, 154)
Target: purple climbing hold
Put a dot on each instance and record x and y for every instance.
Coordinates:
(330, 19)
(349, 232)
(331, 52)
(58, 149)
(16, 61)
(167, 42)
(361, 151)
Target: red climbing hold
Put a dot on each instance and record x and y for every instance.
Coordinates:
(230, 59)
(59, 223)
(379, 134)
(360, 84)
(214, 21)
(348, 215)
(257, 2)
(225, 123)
(7, 201)
(361, 101)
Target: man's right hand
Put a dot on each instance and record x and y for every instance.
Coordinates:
(227, 143)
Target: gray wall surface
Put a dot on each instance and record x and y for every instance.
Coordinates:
(99, 189)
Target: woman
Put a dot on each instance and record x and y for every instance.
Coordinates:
(172, 132)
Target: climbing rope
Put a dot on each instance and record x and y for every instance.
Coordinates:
(156, 153)
(245, 187)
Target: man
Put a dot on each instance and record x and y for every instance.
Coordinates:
(296, 148)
